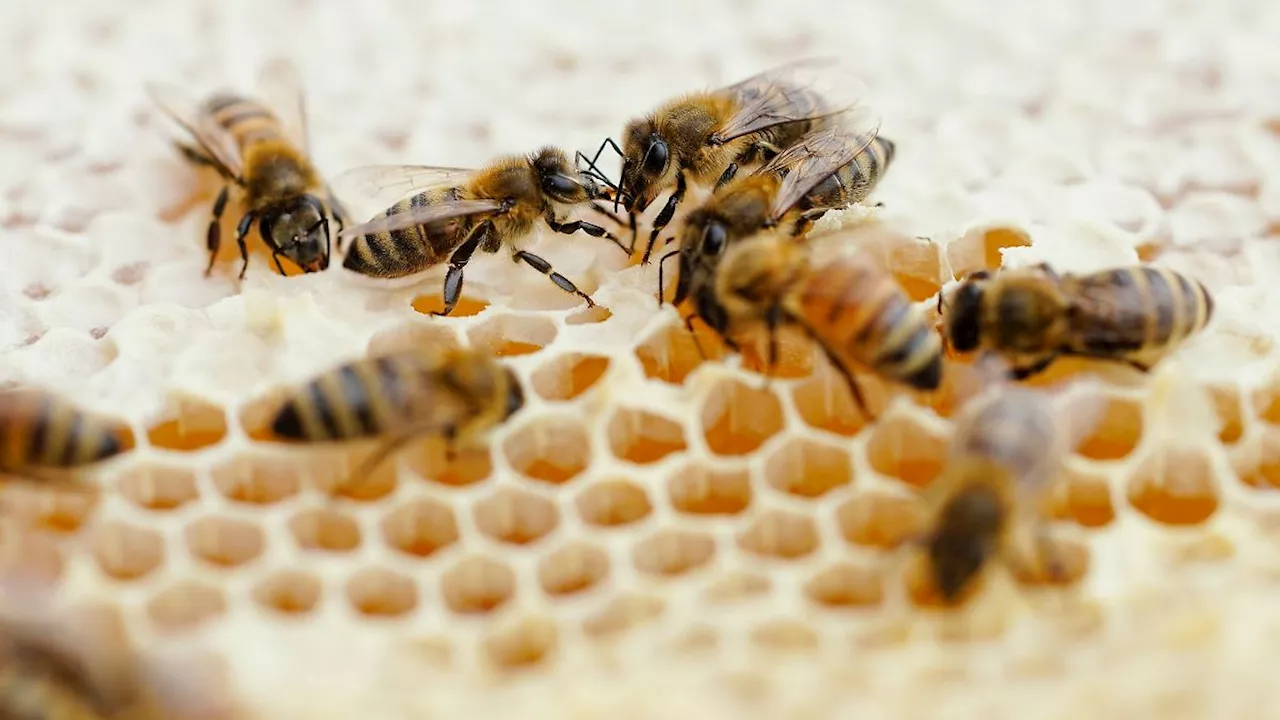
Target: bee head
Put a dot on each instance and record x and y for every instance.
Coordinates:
(560, 180)
(646, 166)
(299, 230)
(515, 394)
(963, 314)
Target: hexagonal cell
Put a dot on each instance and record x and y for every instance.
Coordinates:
(672, 353)
(808, 469)
(795, 353)
(1267, 402)
(337, 477)
(553, 449)
(673, 552)
(521, 644)
(981, 248)
(1226, 401)
(700, 490)
(786, 636)
(186, 605)
(511, 335)
(420, 528)
(613, 503)
(1071, 558)
(325, 529)
(124, 552)
(289, 592)
(643, 437)
(622, 614)
(568, 376)
(1175, 486)
(824, 401)
(780, 534)
(902, 448)
(1259, 466)
(379, 592)
(225, 542)
(880, 519)
(429, 460)
(1117, 432)
(1083, 498)
(57, 510)
(516, 516)
(410, 336)
(959, 379)
(158, 487)
(477, 585)
(188, 424)
(589, 316)
(738, 418)
(433, 302)
(574, 568)
(846, 586)
(738, 587)
(257, 478)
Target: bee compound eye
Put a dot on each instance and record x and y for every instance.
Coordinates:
(655, 157)
(713, 239)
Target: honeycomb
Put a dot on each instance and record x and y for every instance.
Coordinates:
(658, 534)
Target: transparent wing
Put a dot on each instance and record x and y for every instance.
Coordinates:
(280, 89)
(185, 110)
(802, 90)
(816, 157)
(383, 185)
(424, 215)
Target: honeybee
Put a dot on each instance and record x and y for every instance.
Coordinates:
(826, 169)
(457, 394)
(262, 150)
(457, 211)
(1007, 448)
(706, 136)
(851, 307)
(1031, 316)
(41, 431)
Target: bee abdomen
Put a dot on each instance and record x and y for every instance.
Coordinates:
(1146, 308)
(356, 400)
(399, 252)
(861, 313)
(853, 182)
(41, 430)
(247, 120)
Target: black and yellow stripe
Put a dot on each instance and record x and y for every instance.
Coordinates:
(359, 399)
(1133, 310)
(248, 121)
(859, 312)
(405, 251)
(40, 430)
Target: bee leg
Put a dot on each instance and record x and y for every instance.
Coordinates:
(726, 176)
(544, 267)
(276, 256)
(849, 379)
(1035, 368)
(213, 237)
(688, 325)
(457, 261)
(335, 207)
(591, 229)
(375, 459)
(242, 231)
(772, 320)
(196, 156)
(607, 213)
(661, 282)
(665, 216)
(635, 232)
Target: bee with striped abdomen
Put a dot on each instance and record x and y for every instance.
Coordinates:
(41, 431)
(456, 394)
(851, 307)
(1031, 316)
(456, 212)
(706, 136)
(827, 169)
(261, 149)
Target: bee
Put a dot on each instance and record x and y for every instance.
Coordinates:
(1006, 450)
(262, 151)
(41, 431)
(851, 307)
(456, 212)
(827, 169)
(39, 682)
(1031, 316)
(456, 394)
(706, 136)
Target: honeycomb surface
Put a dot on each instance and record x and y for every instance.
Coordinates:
(654, 536)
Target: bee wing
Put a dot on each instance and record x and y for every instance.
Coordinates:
(814, 158)
(185, 110)
(280, 89)
(417, 216)
(802, 90)
(382, 185)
